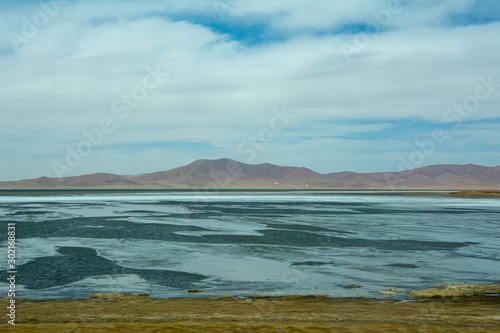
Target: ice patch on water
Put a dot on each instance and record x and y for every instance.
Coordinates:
(159, 209)
(152, 220)
(112, 283)
(242, 266)
(31, 248)
(99, 284)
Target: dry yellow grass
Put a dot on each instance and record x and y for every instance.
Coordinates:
(273, 314)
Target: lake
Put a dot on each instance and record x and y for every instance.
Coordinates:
(340, 244)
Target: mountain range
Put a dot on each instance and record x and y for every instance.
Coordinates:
(230, 174)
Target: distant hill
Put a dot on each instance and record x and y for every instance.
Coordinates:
(225, 173)
(229, 174)
(95, 180)
(444, 176)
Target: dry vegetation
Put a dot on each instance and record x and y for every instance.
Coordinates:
(126, 313)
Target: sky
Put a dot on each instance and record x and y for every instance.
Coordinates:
(129, 87)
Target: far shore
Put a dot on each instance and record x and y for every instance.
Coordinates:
(398, 192)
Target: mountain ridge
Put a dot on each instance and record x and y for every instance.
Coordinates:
(229, 174)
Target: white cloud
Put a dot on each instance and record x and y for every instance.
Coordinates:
(219, 90)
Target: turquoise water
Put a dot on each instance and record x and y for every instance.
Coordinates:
(73, 245)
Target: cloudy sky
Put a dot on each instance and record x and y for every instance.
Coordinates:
(140, 86)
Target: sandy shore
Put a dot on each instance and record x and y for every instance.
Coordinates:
(476, 194)
(385, 192)
(266, 314)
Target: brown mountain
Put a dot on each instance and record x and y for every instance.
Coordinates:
(95, 180)
(445, 176)
(229, 174)
(226, 173)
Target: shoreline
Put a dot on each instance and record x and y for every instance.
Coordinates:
(385, 192)
(266, 314)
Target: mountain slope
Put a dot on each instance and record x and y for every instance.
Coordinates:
(442, 176)
(96, 180)
(228, 174)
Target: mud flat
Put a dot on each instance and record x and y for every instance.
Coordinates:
(458, 290)
(127, 313)
(476, 194)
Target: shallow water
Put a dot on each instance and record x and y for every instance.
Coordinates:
(70, 246)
